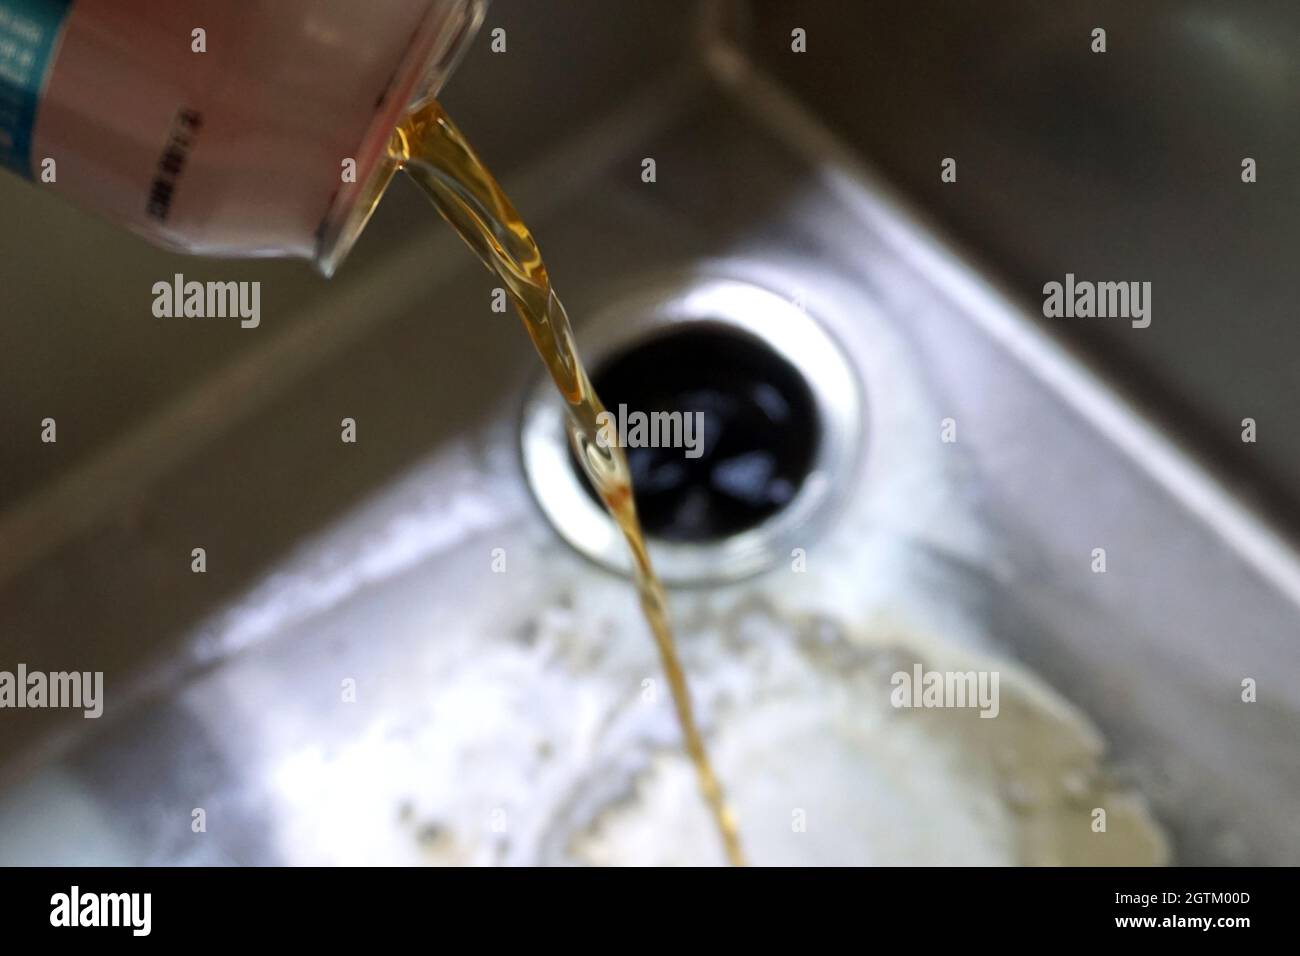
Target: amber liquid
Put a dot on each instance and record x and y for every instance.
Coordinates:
(432, 151)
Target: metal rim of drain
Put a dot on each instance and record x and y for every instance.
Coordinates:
(726, 304)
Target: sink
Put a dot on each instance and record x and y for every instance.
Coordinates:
(394, 657)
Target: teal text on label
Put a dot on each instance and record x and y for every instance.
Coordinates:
(29, 34)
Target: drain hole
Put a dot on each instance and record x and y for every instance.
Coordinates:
(753, 423)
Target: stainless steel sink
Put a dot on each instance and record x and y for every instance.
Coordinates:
(357, 677)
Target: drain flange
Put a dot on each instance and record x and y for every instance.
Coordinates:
(774, 427)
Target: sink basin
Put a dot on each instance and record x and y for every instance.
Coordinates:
(393, 657)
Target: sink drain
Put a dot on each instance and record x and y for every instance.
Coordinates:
(739, 416)
(753, 430)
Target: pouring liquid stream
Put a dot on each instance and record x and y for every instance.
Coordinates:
(431, 150)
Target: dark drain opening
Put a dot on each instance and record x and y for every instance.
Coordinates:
(757, 434)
